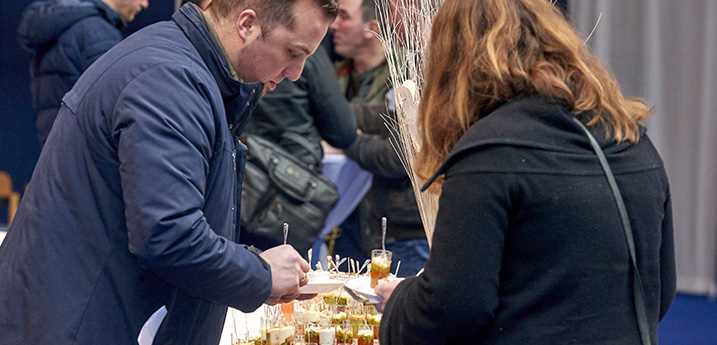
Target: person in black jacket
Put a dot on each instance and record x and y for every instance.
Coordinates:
(528, 246)
(65, 37)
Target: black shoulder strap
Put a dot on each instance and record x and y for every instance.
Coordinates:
(638, 292)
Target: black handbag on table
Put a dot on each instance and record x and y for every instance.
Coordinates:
(279, 188)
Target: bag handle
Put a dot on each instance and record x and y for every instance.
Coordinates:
(305, 143)
(638, 292)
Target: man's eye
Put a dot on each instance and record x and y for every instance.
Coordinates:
(294, 54)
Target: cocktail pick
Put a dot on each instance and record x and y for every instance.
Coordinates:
(330, 262)
(365, 264)
(398, 265)
(383, 234)
(341, 261)
(286, 231)
(234, 321)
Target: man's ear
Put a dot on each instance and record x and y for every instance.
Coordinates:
(247, 23)
(371, 28)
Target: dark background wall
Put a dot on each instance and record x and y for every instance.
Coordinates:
(19, 146)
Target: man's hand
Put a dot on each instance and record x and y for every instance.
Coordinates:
(288, 271)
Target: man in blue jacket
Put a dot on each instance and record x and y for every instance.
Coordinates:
(65, 37)
(134, 203)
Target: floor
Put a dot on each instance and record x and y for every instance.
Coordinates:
(691, 320)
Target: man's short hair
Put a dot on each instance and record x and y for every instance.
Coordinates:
(368, 10)
(272, 13)
(196, 2)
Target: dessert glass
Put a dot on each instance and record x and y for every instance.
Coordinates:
(380, 265)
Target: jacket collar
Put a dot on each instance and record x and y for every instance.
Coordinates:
(533, 121)
(239, 98)
(109, 14)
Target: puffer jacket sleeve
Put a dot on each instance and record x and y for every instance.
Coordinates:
(94, 37)
(165, 131)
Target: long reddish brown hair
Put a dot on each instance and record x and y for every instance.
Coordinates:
(483, 53)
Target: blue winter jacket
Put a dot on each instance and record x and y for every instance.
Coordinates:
(65, 37)
(134, 202)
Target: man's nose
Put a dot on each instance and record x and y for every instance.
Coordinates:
(293, 71)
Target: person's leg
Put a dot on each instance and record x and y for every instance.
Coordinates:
(412, 253)
(348, 243)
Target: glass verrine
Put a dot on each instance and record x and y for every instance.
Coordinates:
(380, 265)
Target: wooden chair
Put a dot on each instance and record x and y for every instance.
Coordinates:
(8, 196)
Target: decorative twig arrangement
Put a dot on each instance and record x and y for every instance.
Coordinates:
(405, 41)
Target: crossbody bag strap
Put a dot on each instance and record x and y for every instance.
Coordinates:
(638, 292)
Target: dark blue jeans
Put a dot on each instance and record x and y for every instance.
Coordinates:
(412, 253)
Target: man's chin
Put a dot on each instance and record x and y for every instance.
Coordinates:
(268, 87)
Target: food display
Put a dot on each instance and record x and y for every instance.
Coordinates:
(374, 320)
(282, 336)
(331, 318)
(327, 336)
(365, 337)
(312, 335)
(344, 335)
(317, 276)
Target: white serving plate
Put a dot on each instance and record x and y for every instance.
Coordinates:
(321, 286)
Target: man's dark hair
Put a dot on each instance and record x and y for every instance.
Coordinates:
(272, 13)
(196, 2)
(368, 10)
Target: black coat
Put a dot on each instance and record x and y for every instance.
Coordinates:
(528, 247)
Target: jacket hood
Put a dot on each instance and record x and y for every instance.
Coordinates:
(43, 21)
(537, 122)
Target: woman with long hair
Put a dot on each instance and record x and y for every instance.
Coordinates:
(528, 246)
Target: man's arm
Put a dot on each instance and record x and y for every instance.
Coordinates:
(333, 115)
(165, 141)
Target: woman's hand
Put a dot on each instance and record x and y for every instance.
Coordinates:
(385, 290)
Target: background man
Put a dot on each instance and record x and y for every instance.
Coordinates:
(364, 77)
(65, 37)
(134, 203)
